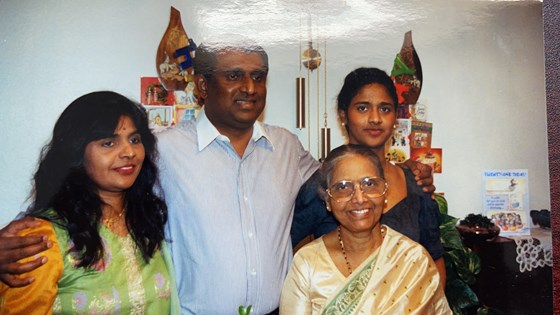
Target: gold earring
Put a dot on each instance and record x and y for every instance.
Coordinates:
(343, 124)
(385, 201)
(394, 126)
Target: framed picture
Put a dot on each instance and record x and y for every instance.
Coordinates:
(159, 117)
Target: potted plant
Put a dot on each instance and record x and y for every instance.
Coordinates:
(461, 265)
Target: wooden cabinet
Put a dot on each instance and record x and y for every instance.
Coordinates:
(502, 285)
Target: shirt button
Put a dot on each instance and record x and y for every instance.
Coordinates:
(253, 272)
(245, 198)
(250, 234)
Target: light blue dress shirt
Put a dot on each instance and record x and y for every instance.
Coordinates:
(230, 216)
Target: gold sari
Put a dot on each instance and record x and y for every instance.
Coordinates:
(399, 278)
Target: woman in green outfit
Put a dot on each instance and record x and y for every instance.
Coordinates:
(94, 198)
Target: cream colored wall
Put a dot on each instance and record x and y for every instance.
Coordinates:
(482, 63)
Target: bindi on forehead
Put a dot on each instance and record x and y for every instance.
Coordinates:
(124, 124)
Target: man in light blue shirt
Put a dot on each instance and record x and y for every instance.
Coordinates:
(230, 183)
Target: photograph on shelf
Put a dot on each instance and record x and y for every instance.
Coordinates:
(506, 200)
(429, 156)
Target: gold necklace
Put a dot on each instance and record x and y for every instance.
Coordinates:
(341, 243)
(343, 252)
(109, 221)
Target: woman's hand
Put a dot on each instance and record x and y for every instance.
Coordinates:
(422, 174)
(14, 248)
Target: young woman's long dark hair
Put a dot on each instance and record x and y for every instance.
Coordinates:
(61, 182)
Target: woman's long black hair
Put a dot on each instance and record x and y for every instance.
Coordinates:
(62, 184)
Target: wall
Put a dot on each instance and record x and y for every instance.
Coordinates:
(482, 62)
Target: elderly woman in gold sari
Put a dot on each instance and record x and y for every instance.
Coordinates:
(362, 267)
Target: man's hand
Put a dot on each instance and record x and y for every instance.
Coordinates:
(422, 175)
(14, 248)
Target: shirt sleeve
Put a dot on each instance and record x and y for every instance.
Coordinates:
(39, 296)
(307, 163)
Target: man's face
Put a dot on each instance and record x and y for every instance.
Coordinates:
(236, 94)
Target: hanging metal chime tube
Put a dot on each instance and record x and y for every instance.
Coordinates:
(300, 103)
(325, 131)
(325, 142)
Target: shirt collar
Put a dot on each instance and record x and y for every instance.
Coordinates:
(206, 132)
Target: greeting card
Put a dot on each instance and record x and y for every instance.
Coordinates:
(430, 156)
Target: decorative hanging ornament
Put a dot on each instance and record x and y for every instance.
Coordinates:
(407, 75)
(311, 57)
(174, 55)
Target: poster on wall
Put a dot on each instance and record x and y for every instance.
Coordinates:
(506, 200)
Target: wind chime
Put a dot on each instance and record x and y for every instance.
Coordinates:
(311, 60)
(325, 131)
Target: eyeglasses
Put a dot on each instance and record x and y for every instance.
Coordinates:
(371, 187)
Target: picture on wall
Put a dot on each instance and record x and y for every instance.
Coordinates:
(421, 134)
(185, 112)
(152, 92)
(159, 117)
(429, 156)
(186, 104)
(397, 148)
(506, 200)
